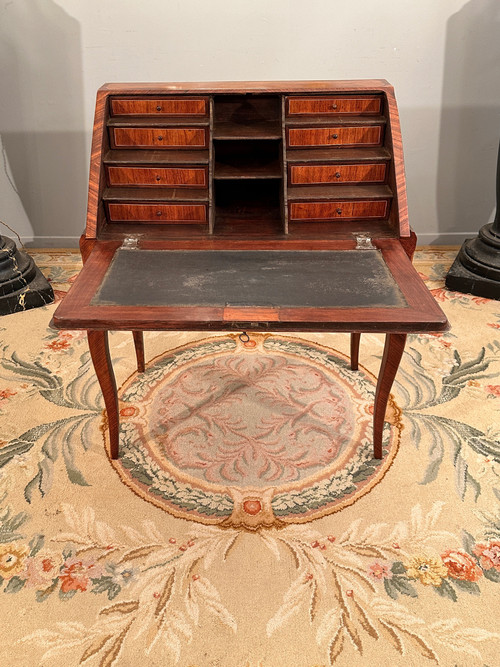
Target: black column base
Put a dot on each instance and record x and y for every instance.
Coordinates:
(22, 284)
(476, 270)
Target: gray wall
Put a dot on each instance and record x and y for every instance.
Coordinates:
(442, 56)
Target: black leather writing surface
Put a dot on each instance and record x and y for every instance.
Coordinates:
(303, 278)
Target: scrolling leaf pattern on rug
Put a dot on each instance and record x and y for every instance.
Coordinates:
(417, 391)
(354, 588)
(61, 437)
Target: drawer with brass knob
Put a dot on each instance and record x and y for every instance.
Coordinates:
(359, 105)
(161, 137)
(333, 210)
(351, 135)
(161, 106)
(316, 174)
(194, 177)
(158, 213)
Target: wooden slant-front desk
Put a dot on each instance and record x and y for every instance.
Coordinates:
(257, 205)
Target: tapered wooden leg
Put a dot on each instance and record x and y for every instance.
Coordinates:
(99, 351)
(355, 337)
(139, 350)
(393, 351)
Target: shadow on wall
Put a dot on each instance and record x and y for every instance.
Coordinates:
(41, 119)
(470, 119)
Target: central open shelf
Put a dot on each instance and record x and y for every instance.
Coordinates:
(247, 159)
(248, 205)
(247, 117)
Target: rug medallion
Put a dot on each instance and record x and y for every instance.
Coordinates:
(266, 432)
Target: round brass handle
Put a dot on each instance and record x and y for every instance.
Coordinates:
(158, 177)
(339, 211)
(334, 136)
(337, 175)
(158, 213)
(334, 106)
(160, 138)
(158, 108)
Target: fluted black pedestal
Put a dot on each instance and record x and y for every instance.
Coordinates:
(476, 270)
(22, 285)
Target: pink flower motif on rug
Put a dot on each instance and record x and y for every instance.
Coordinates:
(379, 571)
(77, 573)
(489, 554)
(461, 565)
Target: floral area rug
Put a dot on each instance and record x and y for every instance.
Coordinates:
(246, 523)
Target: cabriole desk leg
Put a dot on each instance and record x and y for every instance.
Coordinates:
(355, 337)
(393, 351)
(99, 351)
(139, 350)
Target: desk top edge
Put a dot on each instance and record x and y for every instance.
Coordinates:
(214, 87)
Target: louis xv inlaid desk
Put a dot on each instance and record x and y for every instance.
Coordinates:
(256, 206)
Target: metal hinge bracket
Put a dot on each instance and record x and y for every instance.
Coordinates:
(130, 243)
(363, 241)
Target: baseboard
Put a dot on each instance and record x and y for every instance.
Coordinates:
(50, 241)
(444, 238)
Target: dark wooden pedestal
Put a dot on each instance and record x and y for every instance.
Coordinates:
(476, 270)
(22, 285)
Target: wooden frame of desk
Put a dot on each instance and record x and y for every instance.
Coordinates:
(256, 133)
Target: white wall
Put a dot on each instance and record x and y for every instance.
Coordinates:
(442, 56)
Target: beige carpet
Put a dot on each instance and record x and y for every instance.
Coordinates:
(240, 527)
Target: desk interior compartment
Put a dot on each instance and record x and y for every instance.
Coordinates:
(247, 117)
(252, 206)
(247, 159)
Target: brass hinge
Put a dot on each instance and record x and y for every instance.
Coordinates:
(130, 243)
(363, 241)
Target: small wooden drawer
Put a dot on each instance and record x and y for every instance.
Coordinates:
(301, 106)
(164, 106)
(159, 137)
(355, 135)
(337, 210)
(193, 177)
(158, 213)
(315, 174)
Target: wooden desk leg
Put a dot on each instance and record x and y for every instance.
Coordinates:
(139, 350)
(393, 351)
(355, 337)
(99, 351)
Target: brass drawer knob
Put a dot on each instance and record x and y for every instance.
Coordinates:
(334, 136)
(160, 138)
(158, 177)
(334, 106)
(158, 213)
(339, 211)
(158, 108)
(337, 175)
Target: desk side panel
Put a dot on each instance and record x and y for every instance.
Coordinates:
(95, 211)
(397, 179)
